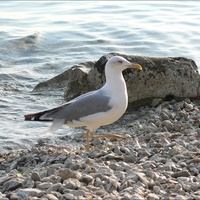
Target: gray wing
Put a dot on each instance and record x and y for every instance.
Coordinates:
(84, 105)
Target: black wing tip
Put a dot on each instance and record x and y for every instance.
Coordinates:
(35, 117)
(29, 117)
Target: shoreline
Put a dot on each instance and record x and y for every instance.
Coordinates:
(158, 159)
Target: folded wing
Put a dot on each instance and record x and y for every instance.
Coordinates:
(84, 105)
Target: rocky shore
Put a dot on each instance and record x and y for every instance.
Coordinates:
(158, 159)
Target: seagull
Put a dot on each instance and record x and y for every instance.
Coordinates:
(96, 108)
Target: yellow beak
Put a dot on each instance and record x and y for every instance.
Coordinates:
(135, 66)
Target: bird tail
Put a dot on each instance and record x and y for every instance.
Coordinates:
(40, 116)
(46, 116)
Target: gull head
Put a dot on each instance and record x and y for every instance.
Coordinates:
(118, 63)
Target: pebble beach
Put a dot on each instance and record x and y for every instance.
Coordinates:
(159, 159)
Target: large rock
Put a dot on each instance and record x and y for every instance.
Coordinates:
(71, 79)
(166, 78)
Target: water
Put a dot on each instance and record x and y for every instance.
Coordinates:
(39, 40)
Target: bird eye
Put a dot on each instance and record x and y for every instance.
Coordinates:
(120, 61)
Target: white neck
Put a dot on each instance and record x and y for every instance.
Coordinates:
(115, 85)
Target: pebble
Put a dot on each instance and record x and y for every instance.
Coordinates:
(137, 196)
(28, 183)
(71, 183)
(168, 124)
(66, 173)
(183, 173)
(50, 197)
(30, 192)
(152, 196)
(113, 185)
(98, 182)
(67, 197)
(86, 178)
(159, 159)
(35, 176)
(54, 187)
(180, 197)
(44, 185)
(11, 185)
(130, 159)
(156, 189)
(14, 196)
